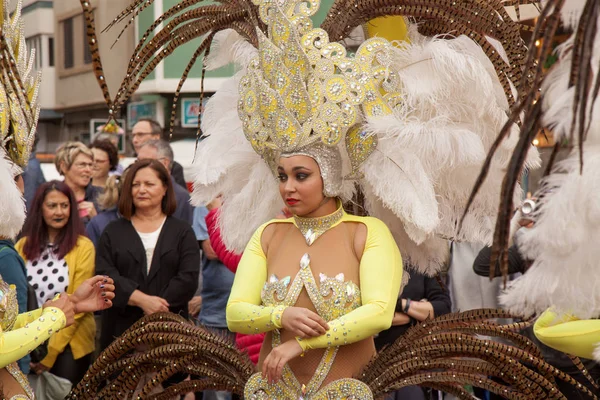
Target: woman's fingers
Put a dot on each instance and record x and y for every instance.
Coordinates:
(317, 318)
(107, 287)
(97, 280)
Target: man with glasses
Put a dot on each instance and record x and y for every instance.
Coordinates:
(148, 129)
(161, 150)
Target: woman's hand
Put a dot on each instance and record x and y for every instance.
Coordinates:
(303, 323)
(38, 368)
(400, 319)
(154, 304)
(64, 304)
(89, 208)
(94, 294)
(273, 365)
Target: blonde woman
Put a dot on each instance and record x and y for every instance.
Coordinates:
(75, 161)
(107, 202)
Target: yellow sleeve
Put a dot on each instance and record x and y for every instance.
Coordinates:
(380, 278)
(26, 318)
(84, 269)
(568, 334)
(17, 343)
(245, 314)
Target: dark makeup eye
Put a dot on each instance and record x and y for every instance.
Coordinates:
(282, 177)
(301, 176)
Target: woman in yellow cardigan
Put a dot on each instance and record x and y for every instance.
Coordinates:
(59, 258)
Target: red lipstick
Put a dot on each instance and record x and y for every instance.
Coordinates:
(291, 202)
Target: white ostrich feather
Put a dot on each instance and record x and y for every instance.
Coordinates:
(558, 96)
(257, 201)
(229, 47)
(563, 243)
(432, 147)
(427, 257)
(12, 212)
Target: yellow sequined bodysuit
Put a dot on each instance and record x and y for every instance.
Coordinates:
(313, 263)
(21, 334)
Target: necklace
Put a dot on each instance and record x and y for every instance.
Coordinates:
(312, 228)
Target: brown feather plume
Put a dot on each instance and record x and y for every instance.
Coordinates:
(581, 78)
(450, 351)
(165, 344)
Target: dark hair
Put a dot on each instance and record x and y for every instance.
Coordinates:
(169, 203)
(109, 148)
(155, 128)
(36, 229)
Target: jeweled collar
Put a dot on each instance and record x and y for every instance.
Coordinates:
(312, 228)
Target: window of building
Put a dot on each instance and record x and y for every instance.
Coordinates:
(68, 49)
(51, 52)
(72, 47)
(87, 52)
(35, 43)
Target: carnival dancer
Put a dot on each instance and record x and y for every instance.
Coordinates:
(326, 125)
(21, 333)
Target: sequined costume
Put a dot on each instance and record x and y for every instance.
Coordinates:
(309, 262)
(21, 333)
(402, 142)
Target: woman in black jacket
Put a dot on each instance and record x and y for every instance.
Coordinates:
(153, 257)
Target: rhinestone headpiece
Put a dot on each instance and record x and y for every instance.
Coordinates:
(19, 86)
(303, 92)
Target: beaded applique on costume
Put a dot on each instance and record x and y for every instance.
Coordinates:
(9, 310)
(332, 298)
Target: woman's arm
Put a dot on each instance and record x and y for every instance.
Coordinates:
(380, 278)
(228, 258)
(245, 314)
(568, 334)
(19, 342)
(181, 288)
(106, 265)
(84, 269)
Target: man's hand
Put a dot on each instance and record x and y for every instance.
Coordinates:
(194, 306)
(215, 203)
(208, 250)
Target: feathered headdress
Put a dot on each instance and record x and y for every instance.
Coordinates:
(19, 113)
(438, 101)
(19, 86)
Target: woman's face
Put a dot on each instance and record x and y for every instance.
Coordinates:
(300, 184)
(56, 210)
(147, 189)
(101, 164)
(80, 173)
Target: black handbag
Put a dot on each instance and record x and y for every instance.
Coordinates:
(40, 352)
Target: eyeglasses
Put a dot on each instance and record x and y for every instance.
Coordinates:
(83, 165)
(140, 134)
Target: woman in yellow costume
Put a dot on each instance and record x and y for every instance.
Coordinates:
(330, 128)
(22, 333)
